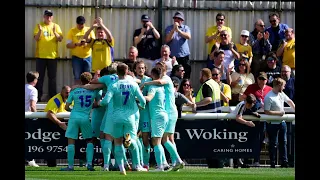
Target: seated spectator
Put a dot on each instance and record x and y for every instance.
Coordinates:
(177, 73)
(185, 88)
(165, 57)
(289, 88)
(132, 58)
(225, 89)
(273, 70)
(244, 48)
(287, 50)
(240, 80)
(218, 58)
(181, 99)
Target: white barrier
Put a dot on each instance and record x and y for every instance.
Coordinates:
(193, 116)
(187, 108)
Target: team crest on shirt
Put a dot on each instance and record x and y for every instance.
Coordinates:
(45, 33)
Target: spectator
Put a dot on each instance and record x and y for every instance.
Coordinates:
(177, 73)
(30, 100)
(101, 46)
(218, 58)
(146, 41)
(259, 41)
(80, 49)
(225, 89)
(276, 30)
(287, 50)
(31, 93)
(47, 34)
(244, 48)
(277, 132)
(272, 70)
(230, 50)
(245, 107)
(208, 96)
(56, 105)
(259, 90)
(181, 99)
(240, 80)
(165, 57)
(289, 88)
(213, 34)
(177, 36)
(132, 58)
(186, 89)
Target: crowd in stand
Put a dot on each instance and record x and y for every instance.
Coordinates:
(240, 73)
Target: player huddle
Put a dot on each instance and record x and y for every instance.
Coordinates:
(127, 111)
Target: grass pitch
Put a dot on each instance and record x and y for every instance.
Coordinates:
(80, 173)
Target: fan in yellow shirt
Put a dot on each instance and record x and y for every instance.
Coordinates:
(47, 35)
(287, 50)
(56, 104)
(213, 32)
(101, 46)
(80, 49)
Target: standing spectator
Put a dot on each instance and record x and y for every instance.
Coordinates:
(229, 49)
(287, 50)
(208, 96)
(177, 73)
(165, 57)
(30, 100)
(259, 90)
(244, 48)
(277, 132)
(225, 89)
(132, 58)
(259, 41)
(213, 34)
(177, 36)
(47, 34)
(276, 30)
(240, 80)
(289, 88)
(146, 41)
(273, 70)
(80, 49)
(101, 46)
